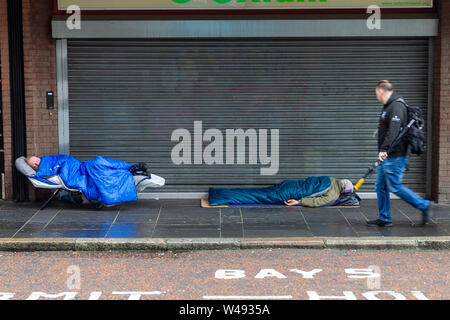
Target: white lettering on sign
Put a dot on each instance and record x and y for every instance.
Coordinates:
(269, 273)
(313, 295)
(306, 274)
(366, 273)
(39, 294)
(263, 273)
(361, 273)
(230, 274)
(419, 295)
(373, 295)
(6, 295)
(95, 295)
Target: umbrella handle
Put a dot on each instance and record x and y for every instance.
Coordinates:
(358, 184)
(369, 172)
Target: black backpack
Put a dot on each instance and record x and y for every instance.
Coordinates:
(414, 133)
(348, 199)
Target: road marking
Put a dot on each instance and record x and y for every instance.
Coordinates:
(247, 297)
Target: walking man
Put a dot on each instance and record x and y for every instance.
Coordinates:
(393, 119)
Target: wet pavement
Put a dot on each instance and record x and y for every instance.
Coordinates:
(187, 219)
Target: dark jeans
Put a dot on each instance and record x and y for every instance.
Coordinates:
(389, 179)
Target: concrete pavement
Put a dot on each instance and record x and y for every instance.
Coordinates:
(185, 225)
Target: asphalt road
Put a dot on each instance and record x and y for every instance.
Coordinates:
(281, 274)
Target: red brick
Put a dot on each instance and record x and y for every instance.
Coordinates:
(441, 125)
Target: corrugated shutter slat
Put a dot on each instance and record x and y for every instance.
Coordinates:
(127, 97)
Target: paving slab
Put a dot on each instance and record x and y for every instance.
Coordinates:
(185, 224)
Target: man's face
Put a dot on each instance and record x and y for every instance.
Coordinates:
(380, 95)
(34, 163)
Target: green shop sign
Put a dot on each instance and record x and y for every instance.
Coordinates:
(239, 4)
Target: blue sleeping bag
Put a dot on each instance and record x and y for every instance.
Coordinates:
(106, 180)
(276, 194)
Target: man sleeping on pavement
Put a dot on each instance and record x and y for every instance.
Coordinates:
(311, 192)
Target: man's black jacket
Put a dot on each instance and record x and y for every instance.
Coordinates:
(393, 119)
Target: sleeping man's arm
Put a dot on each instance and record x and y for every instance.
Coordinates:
(329, 198)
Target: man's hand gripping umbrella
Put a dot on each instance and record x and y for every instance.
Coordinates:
(382, 156)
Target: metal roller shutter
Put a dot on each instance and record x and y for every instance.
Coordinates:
(2, 151)
(126, 98)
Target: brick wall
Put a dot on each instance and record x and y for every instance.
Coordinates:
(40, 77)
(6, 114)
(441, 116)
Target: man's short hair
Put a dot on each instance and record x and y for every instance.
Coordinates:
(385, 85)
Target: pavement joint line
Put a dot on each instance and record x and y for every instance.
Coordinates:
(164, 244)
(28, 221)
(114, 221)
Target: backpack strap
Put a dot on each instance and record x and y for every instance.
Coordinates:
(408, 148)
(401, 100)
